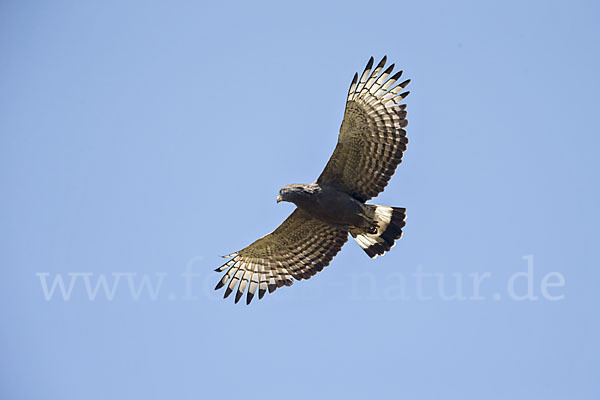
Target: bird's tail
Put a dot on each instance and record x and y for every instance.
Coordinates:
(390, 221)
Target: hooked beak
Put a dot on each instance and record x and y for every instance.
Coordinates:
(278, 198)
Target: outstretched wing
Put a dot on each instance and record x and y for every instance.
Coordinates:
(299, 248)
(372, 138)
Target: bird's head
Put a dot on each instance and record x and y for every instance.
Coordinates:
(296, 192)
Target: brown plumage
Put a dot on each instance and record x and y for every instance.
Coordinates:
(370, 145)
(372, 139)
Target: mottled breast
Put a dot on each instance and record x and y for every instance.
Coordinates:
(334, 207)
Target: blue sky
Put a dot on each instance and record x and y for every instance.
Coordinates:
(142, 140)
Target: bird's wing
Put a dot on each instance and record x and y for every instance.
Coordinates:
(372, 138)
(299, 248)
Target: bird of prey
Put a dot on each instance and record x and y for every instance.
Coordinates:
(370, 145)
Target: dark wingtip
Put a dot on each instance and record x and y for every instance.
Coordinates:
(238, 296)
(249, 298)
(227, 292)
(220, 284)
(370, 63)
(397, 75)
(261, 293)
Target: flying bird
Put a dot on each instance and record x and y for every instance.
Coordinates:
(370, 145)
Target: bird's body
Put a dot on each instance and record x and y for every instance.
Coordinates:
(327, 204)
(370, 146)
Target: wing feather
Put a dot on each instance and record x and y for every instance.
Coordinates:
(299, 248)
(363, 78)
(372, 138)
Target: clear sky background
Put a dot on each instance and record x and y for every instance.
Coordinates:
(149, 138)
